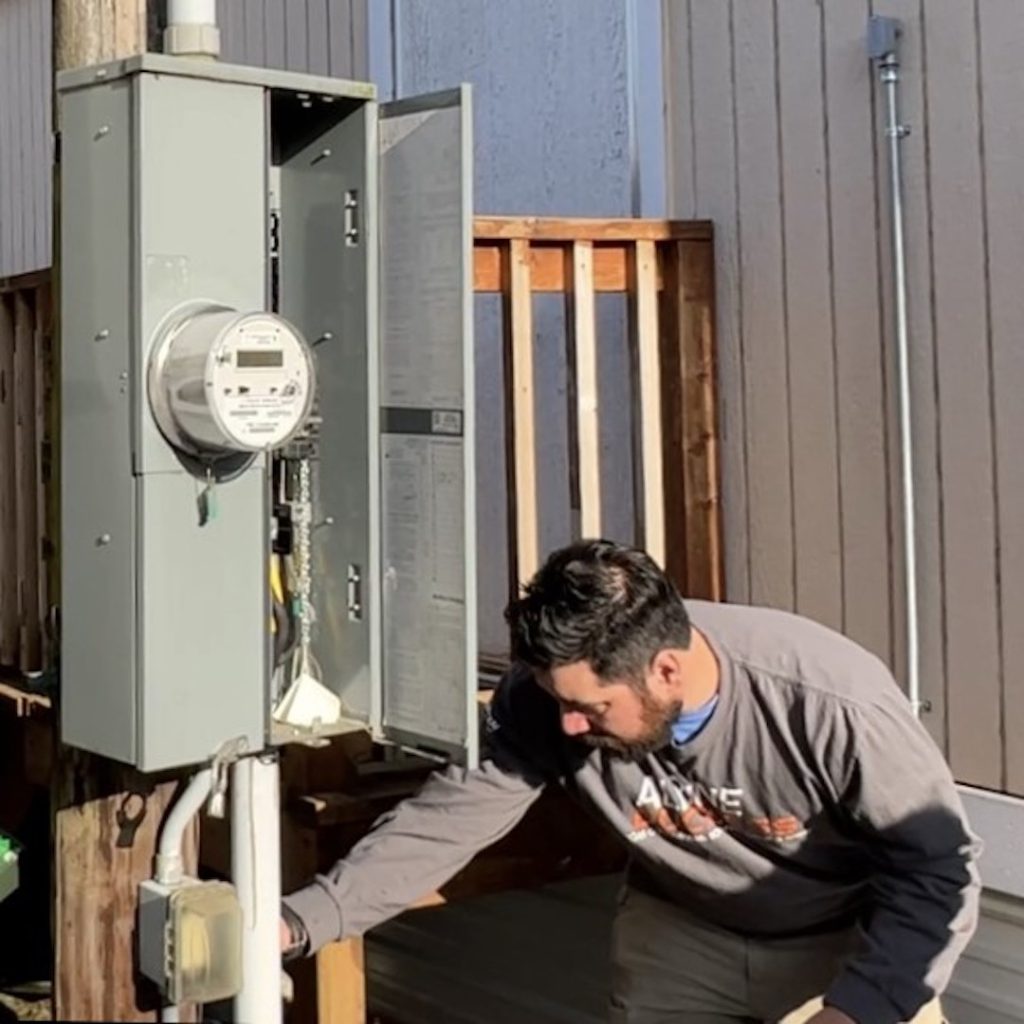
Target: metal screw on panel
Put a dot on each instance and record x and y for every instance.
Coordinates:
(103, 540)
(102, 335)
(326, 336)
(324, 154)
(123, 375)
(101, 73)
(104, 130)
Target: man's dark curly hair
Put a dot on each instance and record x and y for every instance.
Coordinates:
(599, 602)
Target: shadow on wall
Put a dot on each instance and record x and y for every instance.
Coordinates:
(543, 955)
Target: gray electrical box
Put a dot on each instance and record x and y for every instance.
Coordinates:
(188, 184)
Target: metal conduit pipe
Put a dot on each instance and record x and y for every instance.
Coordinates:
(883, 49)
(256, 873)
(170, 862)
(192, 28)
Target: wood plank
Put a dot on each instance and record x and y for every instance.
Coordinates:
(34, 170)
(79, 33)
(274, 33)
(16, 98)
(673, 407)
(129, 28)
(681, 183)
(1002, 92)
(584, 425)
(965, 412)
(38, 72)
(7, 72)
(255, 47)
(24, 701)
(26, 517)
(44, 477)
(359, 40)
(108, 19)
(342, 41)
(520, 427)
(863, 486)
(105, 837)
(318, 61)
(231, 19)
(648, 481)
(763, 315)
(810, 332)
(8, 491)
(296, 36)
(594, 229)
(341, 983)
(714, 156)
(699, 422)
(548, 268)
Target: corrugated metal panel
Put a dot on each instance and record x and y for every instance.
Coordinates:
(776, 132)
(321, 36)
(988, 987)
(25, 171)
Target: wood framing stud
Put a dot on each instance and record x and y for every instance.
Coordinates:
(519, 415)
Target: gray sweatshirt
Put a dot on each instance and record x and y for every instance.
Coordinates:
(811, 801)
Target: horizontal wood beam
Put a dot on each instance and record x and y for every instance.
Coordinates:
(548, 267)
(593, 229)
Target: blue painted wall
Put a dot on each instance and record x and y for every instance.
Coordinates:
(567, 122)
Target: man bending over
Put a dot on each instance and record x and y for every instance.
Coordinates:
(797, 848)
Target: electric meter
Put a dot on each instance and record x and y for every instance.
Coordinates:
(221, 381)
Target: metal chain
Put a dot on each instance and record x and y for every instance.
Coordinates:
(303, 552)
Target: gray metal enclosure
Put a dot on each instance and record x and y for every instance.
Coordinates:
(185, 182)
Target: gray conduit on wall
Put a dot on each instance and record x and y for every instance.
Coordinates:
(883, 50)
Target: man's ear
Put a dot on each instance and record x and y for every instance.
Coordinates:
(666, 673)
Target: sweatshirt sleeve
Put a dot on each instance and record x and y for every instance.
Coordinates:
(903, 804)
(421, 843)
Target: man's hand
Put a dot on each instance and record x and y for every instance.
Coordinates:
(830, 1015)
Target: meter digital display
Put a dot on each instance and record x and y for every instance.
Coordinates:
(253, 358)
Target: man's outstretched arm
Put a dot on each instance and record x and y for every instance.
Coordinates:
(412, 850)
(421, 843)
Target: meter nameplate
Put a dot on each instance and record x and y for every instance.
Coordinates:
(223, 381)
(260, 380)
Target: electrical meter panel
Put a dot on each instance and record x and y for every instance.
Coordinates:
(267, 413)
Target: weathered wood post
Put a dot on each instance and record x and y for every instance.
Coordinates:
(106, 816)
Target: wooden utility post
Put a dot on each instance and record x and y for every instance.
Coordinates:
(106, 817)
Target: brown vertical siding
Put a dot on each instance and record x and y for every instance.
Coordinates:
(1001, 43)
(776, 133)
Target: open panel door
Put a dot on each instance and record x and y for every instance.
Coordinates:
(427, 481)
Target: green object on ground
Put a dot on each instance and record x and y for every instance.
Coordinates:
(8, 866)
